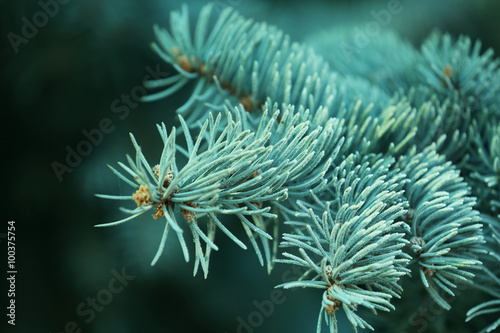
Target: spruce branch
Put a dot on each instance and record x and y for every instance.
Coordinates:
(352, 245)
(249, 63)
(483, 168)
(431, 120)
(366, 184)
(449, 66)
(446, 232)
(383, 61)
(236, 172)
(488, 279)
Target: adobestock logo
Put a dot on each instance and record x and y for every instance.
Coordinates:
(265, 308)
(362, 36)
(29, 30)
(89, 308)
(220, 5)
(423, 318)
(121, 108)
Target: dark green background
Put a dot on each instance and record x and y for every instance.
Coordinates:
(64, 80)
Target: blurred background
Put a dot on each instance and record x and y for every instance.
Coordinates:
(77, 71)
